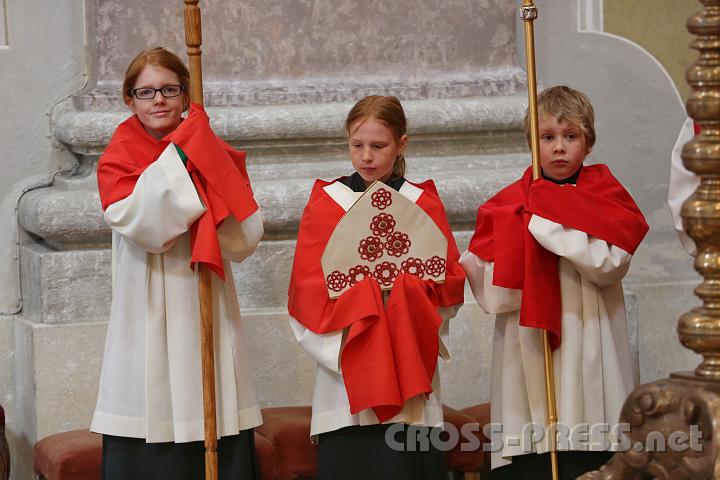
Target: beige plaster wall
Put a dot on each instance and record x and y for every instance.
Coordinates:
(659, 27)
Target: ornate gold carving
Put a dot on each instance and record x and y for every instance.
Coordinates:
(672, 433)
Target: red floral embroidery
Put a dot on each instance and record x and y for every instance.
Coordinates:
(336, 281)
(357, 273)
(385, 273)
(381, 199)
(370, 248)
(413, 266)
(397, 244)
(435, 266)
(382, 224)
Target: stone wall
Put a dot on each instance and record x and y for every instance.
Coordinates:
(260, 52)
(42, 60)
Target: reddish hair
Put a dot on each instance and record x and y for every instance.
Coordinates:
(157, 57)
(386, 110)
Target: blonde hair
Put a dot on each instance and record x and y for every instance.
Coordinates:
(157, 57)
(386, 110)
(566, 104)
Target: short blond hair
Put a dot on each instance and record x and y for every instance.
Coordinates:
(566, 104)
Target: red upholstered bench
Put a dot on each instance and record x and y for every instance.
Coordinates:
(481, 415)
(67, 455)
(76, 455)
(472, 461)
(4, 449)
(288, 428)
(283, 445)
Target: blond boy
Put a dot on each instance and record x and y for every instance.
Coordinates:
(550, 254)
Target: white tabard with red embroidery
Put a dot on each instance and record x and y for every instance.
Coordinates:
(382, 235)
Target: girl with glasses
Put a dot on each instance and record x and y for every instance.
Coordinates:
(174, 195)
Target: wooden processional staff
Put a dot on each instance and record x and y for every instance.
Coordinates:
(193, 40)
(529, 13)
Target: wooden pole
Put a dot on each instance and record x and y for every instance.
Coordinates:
(193, 40)
(529, 13)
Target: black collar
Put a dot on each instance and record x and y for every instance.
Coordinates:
(571, 179)
(357, 184)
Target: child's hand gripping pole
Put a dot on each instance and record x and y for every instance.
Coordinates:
(529, 13)
(193, 40)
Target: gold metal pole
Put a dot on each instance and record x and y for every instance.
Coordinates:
(551, 407)
(529, 13)
(193, 40)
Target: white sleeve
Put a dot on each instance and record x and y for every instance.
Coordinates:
(447, 313)
(683, 183)
(595, 259)
(325, 348)
(239, 239)
(163, 205)
(491, 298)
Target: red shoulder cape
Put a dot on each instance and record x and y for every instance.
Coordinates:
(390, 353)
(217, 171)
(598, 205)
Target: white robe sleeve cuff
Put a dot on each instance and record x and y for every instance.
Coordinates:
(683, 183)
(490, 298)
(595, 259)
(324, 348)
(163, 205)
(447, 313)
(239, 239)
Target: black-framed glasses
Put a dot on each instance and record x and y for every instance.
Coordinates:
(147, 93)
